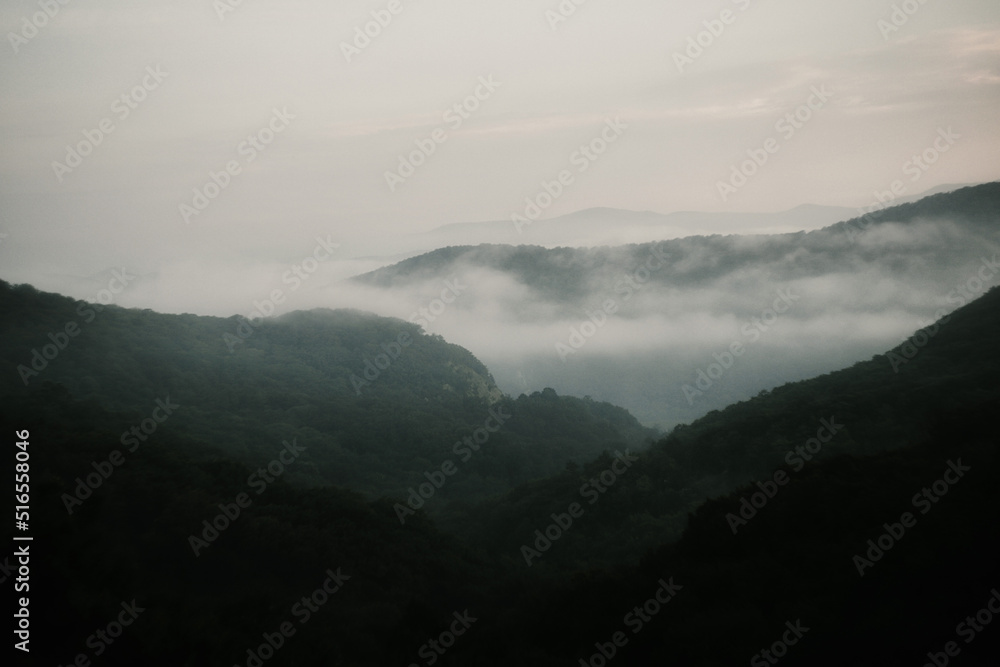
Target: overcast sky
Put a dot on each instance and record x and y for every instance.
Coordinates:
(347, 115)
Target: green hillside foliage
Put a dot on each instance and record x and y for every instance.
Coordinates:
(374, 414)
(792, 560)
(875, 406)
(859, 504)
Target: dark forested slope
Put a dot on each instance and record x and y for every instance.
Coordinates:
(889, 402)
(376, 402)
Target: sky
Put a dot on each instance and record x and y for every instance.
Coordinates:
(118, 119)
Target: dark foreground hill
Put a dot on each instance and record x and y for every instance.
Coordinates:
(881, 550)
(891, 401)
(399, 588)
(377, 404)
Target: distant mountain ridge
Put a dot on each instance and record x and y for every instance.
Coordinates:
(607, 226)
(758, 518)
(612, 226)
(975, 204)
(899, 263)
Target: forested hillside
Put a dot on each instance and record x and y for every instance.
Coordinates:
(209, 489)
(568, 276)
(638, 325)
(377, 403)
(500, 334)
(867, 559)
(892, 401)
